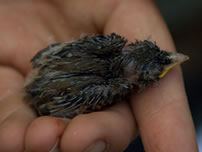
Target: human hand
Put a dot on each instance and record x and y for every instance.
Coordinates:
(160, 114)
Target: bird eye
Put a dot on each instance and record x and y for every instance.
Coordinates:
(164, 57)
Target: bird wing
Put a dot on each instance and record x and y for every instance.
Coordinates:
(99, 46)
(81, 94)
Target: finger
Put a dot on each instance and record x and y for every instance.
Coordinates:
(110, 130)
(162, 111)
(14, 114)
(168, 116)
(14, 124)
(44, 131)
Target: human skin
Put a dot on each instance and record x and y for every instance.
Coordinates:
(159, 114)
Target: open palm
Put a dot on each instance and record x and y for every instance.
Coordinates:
(159, 114)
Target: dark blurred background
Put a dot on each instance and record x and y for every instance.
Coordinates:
(184, 19)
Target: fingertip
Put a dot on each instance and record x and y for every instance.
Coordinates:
(112, 130)
(44, 131)
(79, 134)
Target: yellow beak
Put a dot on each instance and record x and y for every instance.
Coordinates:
(177, 58)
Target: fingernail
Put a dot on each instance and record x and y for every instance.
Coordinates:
(55, 147)
(99, 146)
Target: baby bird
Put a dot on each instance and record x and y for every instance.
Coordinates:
(92, 73)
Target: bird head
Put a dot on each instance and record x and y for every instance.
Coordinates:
(146, 63)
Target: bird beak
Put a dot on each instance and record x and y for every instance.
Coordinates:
(177, 58)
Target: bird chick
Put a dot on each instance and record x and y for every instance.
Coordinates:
(92, 73)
